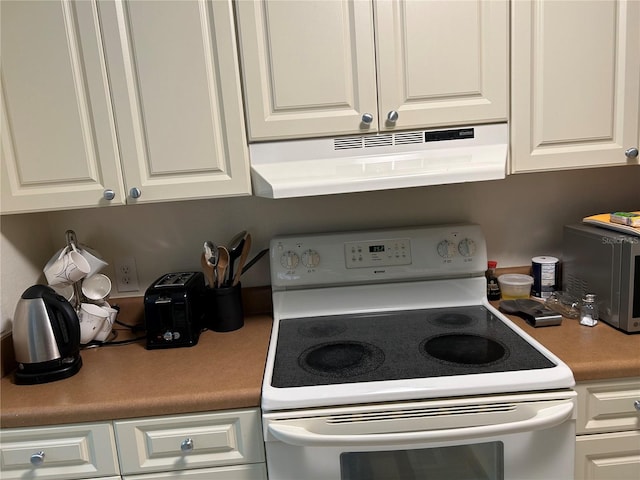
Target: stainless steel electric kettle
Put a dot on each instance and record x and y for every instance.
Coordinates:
(46, 337)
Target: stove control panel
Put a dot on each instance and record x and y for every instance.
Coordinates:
(392, 255)
(377, 253)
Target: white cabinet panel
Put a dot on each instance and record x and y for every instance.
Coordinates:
(575, 84)
(318, 68)
(308, 67)
(59, 146)
(189, 441)
(442, 63)
(608, 406)
(59, 452)
(176, 88)
(608, 428)
(132, 96)
(608, 456)
(235, 472)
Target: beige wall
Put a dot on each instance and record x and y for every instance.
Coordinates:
(522, 216)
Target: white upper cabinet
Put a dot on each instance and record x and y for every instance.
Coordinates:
(59, 145)
(575, 84)
(319, 68)
(114, 102)
(173, 67)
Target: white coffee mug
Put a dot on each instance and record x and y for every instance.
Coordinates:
(92, 319)
(107, 326)
(66, 267)
(95, 261)
(97, 287)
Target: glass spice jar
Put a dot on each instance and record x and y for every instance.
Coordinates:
(589, 311)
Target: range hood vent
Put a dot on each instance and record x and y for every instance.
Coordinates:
(297, 168)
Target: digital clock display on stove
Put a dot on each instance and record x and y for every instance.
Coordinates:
(376, 248)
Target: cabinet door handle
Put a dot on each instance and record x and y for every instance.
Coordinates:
(109, 194)
(632, 152)
(392, 116)
(135, 192)
(37, 459)
(367, 118)
(636, 404)
(187, 445)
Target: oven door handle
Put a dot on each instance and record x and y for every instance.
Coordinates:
(544, 418)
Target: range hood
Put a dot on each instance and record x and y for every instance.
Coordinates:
(297, 168)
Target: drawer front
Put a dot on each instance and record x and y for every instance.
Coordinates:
(189, 441)
(64, 452)
(608, 406)
(255, 471)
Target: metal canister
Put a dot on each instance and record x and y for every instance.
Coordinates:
(546, 276)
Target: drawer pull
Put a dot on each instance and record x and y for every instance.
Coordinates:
(37, 459)
(637, 405)
(187, 445)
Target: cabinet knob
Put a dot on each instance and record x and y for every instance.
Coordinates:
(636, 404)
(109, 194)
(632, 152)
(37, 459)
(367, 118)
(135, 192)
(392, 116)
(187, 445)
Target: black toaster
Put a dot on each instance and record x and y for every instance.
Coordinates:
(174, 310)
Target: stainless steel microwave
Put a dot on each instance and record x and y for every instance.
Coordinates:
(607, 263)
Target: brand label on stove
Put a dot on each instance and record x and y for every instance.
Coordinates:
(378, 253)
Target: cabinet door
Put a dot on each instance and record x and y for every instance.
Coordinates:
(441, 62)
(177, 98)
(608, 456)
(59, 147)
(575, 83)
(308, 67)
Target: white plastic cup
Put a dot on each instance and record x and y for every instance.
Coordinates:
(66, 267)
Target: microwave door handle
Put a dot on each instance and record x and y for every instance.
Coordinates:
(544, 418)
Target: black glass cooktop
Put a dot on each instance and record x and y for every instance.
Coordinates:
(398, 345)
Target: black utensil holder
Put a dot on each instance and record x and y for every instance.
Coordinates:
(225, 307)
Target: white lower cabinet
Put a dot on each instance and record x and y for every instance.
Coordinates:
(224, 445)
(229, 439)
(59, 452)
(608, 430)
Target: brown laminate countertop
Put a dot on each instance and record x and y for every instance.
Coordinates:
(224, 371)
(592, 353)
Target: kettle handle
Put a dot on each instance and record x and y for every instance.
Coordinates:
(64, 321)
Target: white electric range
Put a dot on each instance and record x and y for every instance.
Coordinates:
(372, 322)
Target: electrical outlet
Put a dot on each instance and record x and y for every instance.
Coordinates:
(126, 275)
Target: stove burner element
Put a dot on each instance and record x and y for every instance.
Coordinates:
(464, 349)
(341, 359)
(452, 320)
(319, 329)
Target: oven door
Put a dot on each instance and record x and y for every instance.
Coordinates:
(500, 438)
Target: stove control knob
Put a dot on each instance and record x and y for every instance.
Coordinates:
(289, 260)
(467, 247)
(446, 249)
(310, 259)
